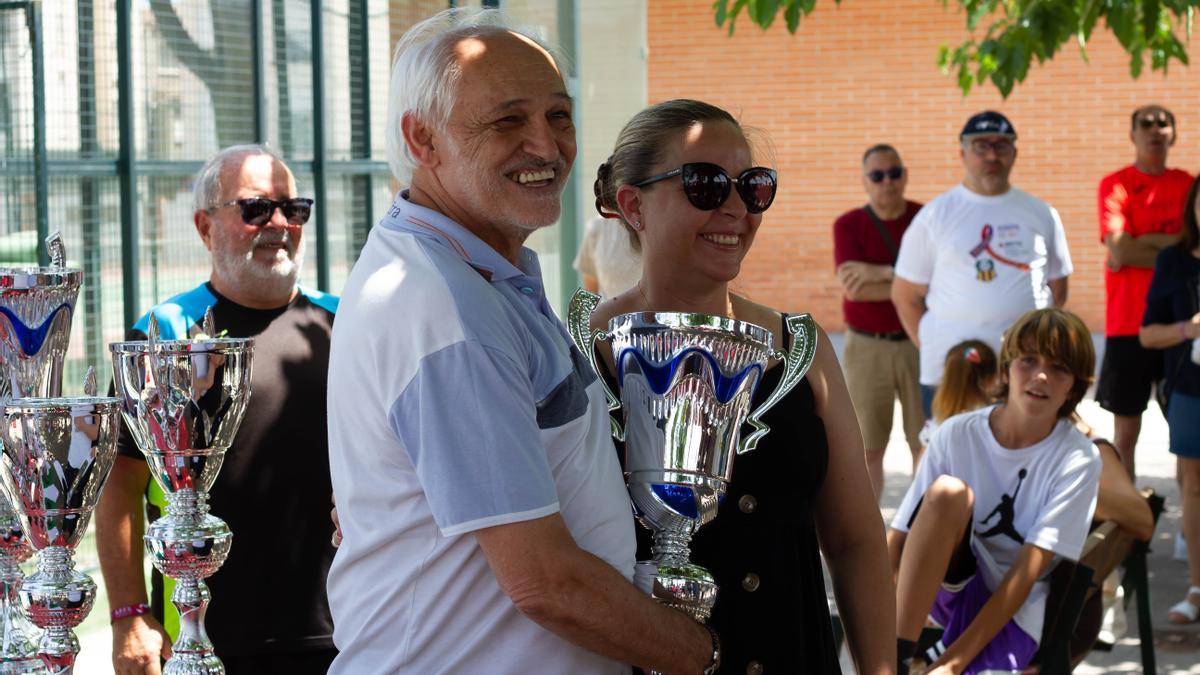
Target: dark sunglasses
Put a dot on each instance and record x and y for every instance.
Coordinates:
(878, 175)
(707, 185)
(257, 211)
(1160, 122)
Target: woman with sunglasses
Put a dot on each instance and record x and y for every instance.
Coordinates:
(682, 180)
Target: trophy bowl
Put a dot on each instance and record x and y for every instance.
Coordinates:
(57, 456)
(36, 307)
(183, 401)
(686, 382)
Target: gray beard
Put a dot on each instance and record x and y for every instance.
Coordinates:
(242, 270)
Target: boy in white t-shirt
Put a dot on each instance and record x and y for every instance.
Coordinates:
(1000, 495)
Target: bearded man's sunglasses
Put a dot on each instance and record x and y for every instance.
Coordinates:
(878, 175)
(707, 186)
(257, 211)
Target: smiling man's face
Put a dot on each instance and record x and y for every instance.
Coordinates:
(509, 143)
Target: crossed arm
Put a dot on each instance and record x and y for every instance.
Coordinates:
(865, 282)
(1126, 250)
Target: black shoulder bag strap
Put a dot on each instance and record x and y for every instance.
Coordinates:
(883, 232)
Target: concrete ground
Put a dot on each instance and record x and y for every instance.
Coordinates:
(1177, 648)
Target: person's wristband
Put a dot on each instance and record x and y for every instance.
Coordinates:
(136, 609)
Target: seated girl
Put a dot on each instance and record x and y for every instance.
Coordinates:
(1000, 494)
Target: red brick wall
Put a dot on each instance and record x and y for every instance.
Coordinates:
(865, 72)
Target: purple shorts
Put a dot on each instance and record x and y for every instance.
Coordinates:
(1011, 649)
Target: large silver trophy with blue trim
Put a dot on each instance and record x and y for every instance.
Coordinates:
(686, 382)
(183, 401)
(57, 455)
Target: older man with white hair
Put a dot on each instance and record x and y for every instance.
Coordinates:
(271, 614)
(486, 527)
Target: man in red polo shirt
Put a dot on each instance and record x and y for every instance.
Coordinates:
(881, 363)
(1141, 212)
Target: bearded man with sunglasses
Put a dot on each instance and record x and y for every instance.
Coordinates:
(880, 361)
(979, 255)
(275, 479)
(1141, 212)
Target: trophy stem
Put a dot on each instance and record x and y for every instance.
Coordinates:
(193, 651)
(189, 545)
(59, 598)
(18, 652)
(671, 547)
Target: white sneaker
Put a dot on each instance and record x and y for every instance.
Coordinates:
(1112, 625)
(1181, 552)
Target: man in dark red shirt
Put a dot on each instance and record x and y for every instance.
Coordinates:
(881, 363)
(1141, 212)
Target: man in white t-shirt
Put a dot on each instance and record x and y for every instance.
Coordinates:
(979, 255)
(486, 526)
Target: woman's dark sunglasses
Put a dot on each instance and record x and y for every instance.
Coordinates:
(707, 185)
(257, 211)
(878, 175)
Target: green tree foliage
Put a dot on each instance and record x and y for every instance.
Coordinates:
(1019, 31)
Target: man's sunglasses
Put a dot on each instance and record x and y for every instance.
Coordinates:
(877, 176)
(257, 211)
(707, 185)
(1002, 147)
(1160, 122)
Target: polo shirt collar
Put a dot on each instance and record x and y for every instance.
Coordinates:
(405, 216)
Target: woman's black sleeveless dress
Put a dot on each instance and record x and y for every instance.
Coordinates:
(771, 612)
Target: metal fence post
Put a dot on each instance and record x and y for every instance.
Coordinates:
(570, 218)
(125, 164)
(319, 159)
(41, 178)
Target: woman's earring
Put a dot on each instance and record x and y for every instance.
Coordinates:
(637, 224)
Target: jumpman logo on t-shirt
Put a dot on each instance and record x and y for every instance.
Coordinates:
(1006, 509)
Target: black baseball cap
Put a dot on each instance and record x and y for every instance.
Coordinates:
(988, 123)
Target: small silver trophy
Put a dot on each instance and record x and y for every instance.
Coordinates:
(57, 456)
(183, 402)
(36, 308)
(686, 383)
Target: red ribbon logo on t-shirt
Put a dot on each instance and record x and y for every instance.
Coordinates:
(985, 244)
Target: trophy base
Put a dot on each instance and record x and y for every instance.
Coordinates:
(194, 664)
(23, 667)
(679, 585)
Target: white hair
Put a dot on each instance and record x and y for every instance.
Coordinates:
(425, 74)
(206, 193)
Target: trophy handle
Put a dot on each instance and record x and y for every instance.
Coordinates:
(579, 324)
(796, 362)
